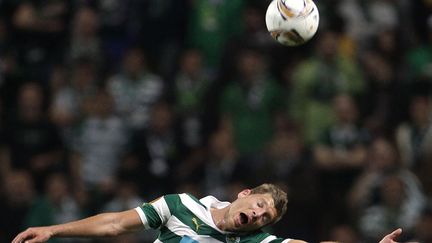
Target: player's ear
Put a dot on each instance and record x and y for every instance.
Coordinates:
(244, 193)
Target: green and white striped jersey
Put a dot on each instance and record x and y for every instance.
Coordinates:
(182, 218)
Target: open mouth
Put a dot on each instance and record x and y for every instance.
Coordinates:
(244, 219)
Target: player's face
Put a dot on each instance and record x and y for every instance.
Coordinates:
(250, 212)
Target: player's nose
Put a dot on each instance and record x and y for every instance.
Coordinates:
(258, 212)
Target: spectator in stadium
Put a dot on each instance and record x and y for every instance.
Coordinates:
(182, 217)
(396, 208)
(153, 154)
(343, 145)
(419, 58)
(285, 156)
(340, 155)
(57, 205)
(100, 141)
(68, 94)
(17, 198)
(85, 41)
(383, 159)
(59, 80)
(46, 24)
(287, 161)
(251, 103)
(414, 137)
(220, 164)
(147, 18)
(317, 80)
(135, 88)
(12, 76)
(115, 19)
(384, 73)
(191, 85)
(211, 25)
(32, 141)
(254, 33)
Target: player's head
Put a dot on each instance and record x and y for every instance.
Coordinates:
(279, 196)
(256, 208)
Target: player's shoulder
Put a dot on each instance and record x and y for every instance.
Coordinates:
(182, 199)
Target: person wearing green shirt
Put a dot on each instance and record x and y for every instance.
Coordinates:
(181, 218)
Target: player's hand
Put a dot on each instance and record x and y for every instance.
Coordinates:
(33, 235)
(390, 238)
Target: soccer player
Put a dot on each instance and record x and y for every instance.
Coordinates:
(183, 218)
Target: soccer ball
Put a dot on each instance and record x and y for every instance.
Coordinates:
(292, 22)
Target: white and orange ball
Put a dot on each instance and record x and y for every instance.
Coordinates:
(292, 22)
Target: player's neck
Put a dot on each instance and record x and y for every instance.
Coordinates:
(218, 216)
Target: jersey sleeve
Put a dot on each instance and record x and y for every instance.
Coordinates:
(154, 214)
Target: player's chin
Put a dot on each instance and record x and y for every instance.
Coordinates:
(246, 228)
(239, 227)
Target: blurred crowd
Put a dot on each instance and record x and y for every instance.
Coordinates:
(106, 104)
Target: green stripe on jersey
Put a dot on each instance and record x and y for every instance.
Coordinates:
(167, 236)
(151, 215)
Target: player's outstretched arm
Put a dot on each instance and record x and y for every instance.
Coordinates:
(101, 225)
(391, 238)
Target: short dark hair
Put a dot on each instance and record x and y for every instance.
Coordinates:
(279, 196)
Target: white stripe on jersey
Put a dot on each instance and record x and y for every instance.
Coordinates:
(201, 212)
(268, 239)
(142, 217)
(175, 225)
(272, 237)
(180, 229)
(162, 209)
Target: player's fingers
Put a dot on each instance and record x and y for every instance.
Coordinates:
(33, 241)
(19, 238)
(16, 239)
(22, 236)
(37, 239)
(396, 233)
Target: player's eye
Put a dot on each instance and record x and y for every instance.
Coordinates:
(260, 204)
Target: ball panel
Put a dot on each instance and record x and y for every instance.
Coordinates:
(290, 8)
